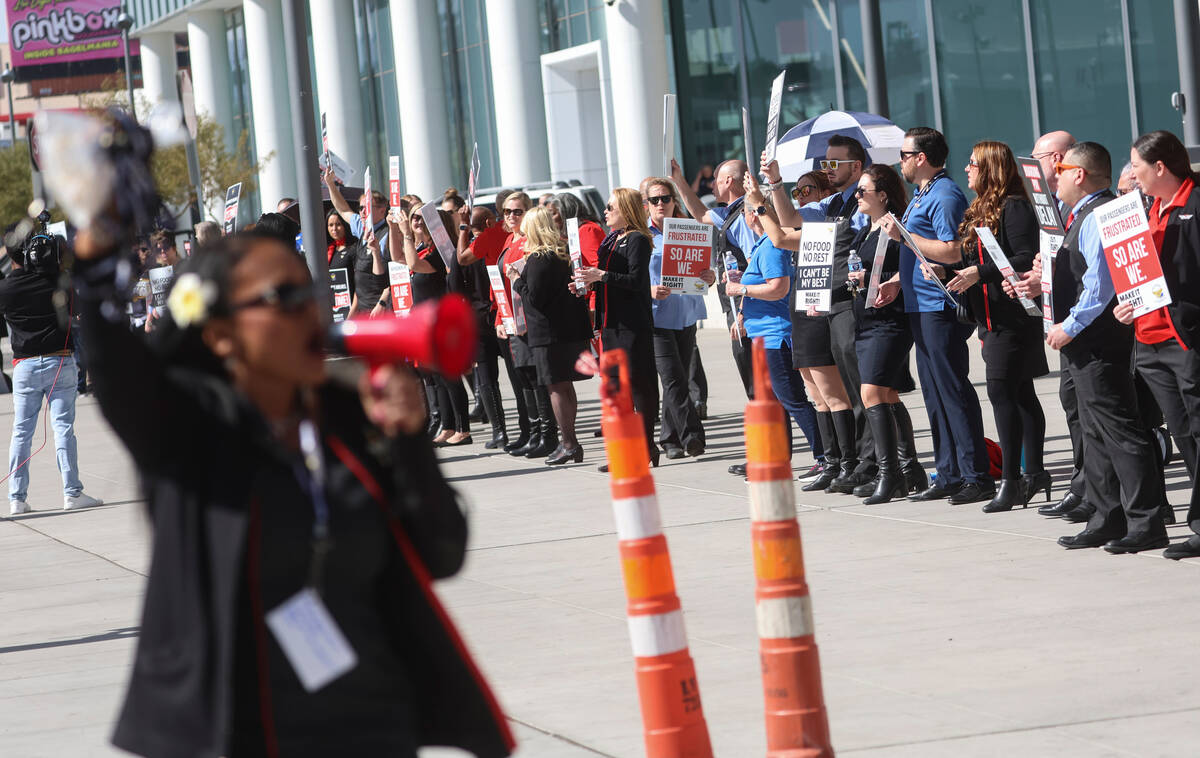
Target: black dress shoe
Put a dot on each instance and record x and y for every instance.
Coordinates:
(1188, 549)
(1086, 538)
(1070, 502)
(936, 492)
(738, 469)
(1011, 493)
(972, 492)
(673, 453)
(564, 454)
(1081, 514)
(695, 448)
(1136, 543)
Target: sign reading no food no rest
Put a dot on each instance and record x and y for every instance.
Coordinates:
(42, 32)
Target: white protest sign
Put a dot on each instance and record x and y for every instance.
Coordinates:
(341, 170)
(503, 307)
(473, 176)
(160, 282)
(687, 253)
(749, 143)
(437, 230)
(814, 265)
(1133, 260)
(1048, 245)
(668, 132)
(912, 245)
(394, 181)
(400, 280)
(881, 245)
(773, 115)
(1006, 270)
(233, 197)
(368, 208)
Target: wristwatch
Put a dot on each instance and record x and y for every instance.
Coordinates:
(462, 227)
(760, 210)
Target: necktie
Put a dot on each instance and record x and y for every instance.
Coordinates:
(834, 209)
(1070, 219)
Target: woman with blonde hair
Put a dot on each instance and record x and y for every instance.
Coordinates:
(1012, 338)
(557, 322)
(623, 312)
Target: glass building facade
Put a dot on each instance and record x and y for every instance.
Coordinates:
(467, 72)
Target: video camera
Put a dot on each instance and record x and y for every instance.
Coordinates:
(42, 252)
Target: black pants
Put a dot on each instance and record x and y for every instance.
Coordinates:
(453, 404)
(643, 376)
(1020, 424)
(697, 379)
(842, 329)
(1121, 466)
(673, 349)
(955, 418)
(1173, 376)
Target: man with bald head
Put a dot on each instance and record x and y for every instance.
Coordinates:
(1049, 151)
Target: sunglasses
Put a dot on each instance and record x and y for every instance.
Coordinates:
(514, 211)
(657, 200)
(972, 163)
(862, 191)
(906, 154)
(832, 165)
(1060, 168)
(287, 298)
(610, 208)
(804, 191)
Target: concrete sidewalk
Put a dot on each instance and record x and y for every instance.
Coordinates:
(943, 631)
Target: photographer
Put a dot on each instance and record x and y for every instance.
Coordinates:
(44, 367)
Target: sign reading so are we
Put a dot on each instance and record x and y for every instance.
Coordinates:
(1132, 257)
(687, 253)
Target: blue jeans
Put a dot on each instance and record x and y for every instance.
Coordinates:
(788, 386)
(33, 381)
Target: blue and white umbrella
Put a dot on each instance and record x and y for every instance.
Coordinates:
(805, 143)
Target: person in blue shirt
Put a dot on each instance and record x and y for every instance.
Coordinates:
(943, 363)
(765, 288)
(675, 317)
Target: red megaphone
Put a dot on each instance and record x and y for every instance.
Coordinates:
(438, 335)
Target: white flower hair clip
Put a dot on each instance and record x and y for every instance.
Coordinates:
(190, 299)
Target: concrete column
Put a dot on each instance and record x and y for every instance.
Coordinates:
(269, 91)
(1187, 35)
(637, 62)
(210, 69)
(424, 126)
(873, 62)
(514, 48)
(158, 68)
(335, 59)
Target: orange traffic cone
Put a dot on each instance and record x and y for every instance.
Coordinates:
(666, 677)
(797, 725)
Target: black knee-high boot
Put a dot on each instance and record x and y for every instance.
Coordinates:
(547, 440)
(495, 413)
(891, 482)
(906, 447)
(847, 441)
(833, 454)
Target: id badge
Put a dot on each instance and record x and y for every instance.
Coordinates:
(311, 640)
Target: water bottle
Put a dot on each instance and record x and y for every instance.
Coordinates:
(853, 265)
(731, 263)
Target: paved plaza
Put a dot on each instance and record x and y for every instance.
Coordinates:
(942, 631)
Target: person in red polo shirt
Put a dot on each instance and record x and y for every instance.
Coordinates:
(1168, 338)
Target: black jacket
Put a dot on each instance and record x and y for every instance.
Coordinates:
(623, 301)
(552, 314)
(1105, 335)
(207, 462)
(1180, 256)
(1018, 238)
(27, 305)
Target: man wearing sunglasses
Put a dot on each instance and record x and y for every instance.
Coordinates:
(1120, 466)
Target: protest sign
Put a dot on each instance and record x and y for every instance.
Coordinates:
(233, 196)
(687, 253)
(911, 244)
(773, 115)
(668, 133)
(437, 230)
(1006, 270)
(1133, 261)
(369, 206)
(503, 307)
(1048, 245)
(473, 177)
(400, 280)
(881, 245)
(328, 164)
(814, 264)
(160, 283)
(339, 285)
(394, 181)
(341, 170)
(1045, 204)
(746, 138)
(573, 246)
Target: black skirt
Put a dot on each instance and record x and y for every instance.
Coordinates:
(522, 354)
(812, 343)
(1014, 355)
(556, 362)
(883, 345)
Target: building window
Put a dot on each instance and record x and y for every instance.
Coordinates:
(567, 23)
(1155, 66)
(466, 67)
(377, 80)
(243, 114)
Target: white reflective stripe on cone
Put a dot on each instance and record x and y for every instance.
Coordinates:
(657, 634)
(773, 501)
(637, 517)
(784, 618)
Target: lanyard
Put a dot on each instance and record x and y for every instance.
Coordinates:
(312, 478)
(917, 198)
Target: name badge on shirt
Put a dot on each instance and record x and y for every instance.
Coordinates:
(311, 640)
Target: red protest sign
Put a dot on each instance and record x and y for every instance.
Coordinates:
(503, 307)
(1132, 257)
(687, 253)
(394, 181)
(400, 280)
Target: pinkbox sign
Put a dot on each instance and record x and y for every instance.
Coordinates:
(45, 32)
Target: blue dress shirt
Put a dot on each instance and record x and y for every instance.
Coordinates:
(819, 211)
(935, 214)
(677, 311)
(1098, 290)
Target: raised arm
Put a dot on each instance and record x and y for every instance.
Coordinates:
(786, 240)
(403, 245)
(335, 197)
(786, 212)
(691, 200)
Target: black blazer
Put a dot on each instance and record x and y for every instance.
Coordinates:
(1180, 256)
(623, 301)
(552, 314)
(1018, 238)
(207, 460)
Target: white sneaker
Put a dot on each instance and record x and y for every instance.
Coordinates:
(75, 502)
(17, 507)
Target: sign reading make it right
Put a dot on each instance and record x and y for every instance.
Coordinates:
(1133, 261)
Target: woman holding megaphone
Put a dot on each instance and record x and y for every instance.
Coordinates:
(297, 522)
